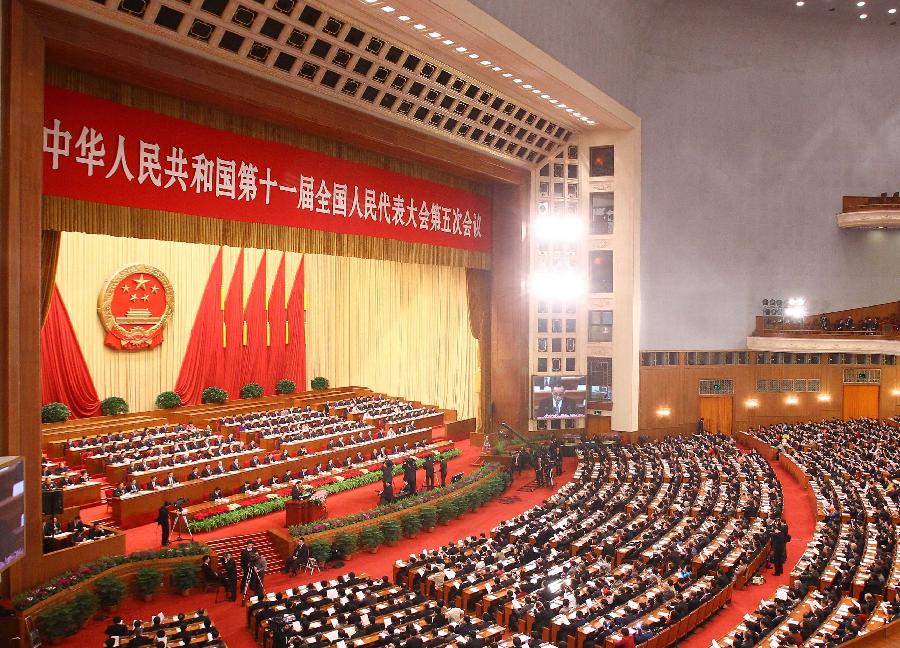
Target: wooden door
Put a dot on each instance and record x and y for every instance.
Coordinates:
(860, 401)
(716, 412)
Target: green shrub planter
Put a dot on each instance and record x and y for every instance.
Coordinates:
(168, 400)
(110, 590)
(184, 577)
(445, 512)
(113, 406)
(370, 538)
(84, 606)
(318, 383)
(428, 515)
(285, 386)
(390, 529)
(57, 622)
(411, 523)
(55, 413)
(346, 544)
(320, 549)
(251, 390)
(147, 582)
(214, 395)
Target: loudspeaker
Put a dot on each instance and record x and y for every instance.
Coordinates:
(52, 502)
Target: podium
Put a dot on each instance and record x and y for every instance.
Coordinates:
(303, 511)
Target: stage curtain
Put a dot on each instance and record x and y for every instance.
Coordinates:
(860, 401)
(295, 351)
(234, 330)
(49, 258)
(203, 363)
(255, 353)
(716, 412)
(64, 373)
(277, 316)
(478, 295)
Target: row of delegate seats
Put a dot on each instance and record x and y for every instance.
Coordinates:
(851, 562)
(194, 630)
(642, 540)
(358, 611)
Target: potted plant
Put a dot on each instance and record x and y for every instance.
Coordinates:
(110, 590)
(428, 515)
(56, 622)
(345, 543)
(147, 582)
(168, 400)
(251, 390)
(370, 538)
(444, 512)
(458, 505)
(319, 383)
(320, 549)
(285, 386)
(84, 606)
(214, 395)
(113, 406)
(184, 576)
(390, 530)
(55, 413)
(411, 523)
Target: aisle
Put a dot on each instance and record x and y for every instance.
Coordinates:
(801, 518)
(230, 618)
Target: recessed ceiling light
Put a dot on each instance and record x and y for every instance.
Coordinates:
(536, 91)
(388, 9)
(861, 3)
(496, 68)
(577, 114)
(800, 3)
(485, 62)
(553, 101)
(517, 80)
(568, 110)
(419, 26)
(506, 75)
(371, 1)
(404, 18)
(434, 34)
(562, 105)
(527, 86)
(892, 11)
(591, 122)
(863, 16)
(545, 96)
(461, 49)
(447, 41)
(473, 55)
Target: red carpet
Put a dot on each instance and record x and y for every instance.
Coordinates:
(230, 618)
(801, 518)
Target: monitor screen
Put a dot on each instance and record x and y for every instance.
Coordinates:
(12, 510)
(558, 397)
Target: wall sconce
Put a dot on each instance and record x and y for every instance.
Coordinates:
(895, 392)
(751, 403)
(824, 398)
(663, 411)
(791, 400)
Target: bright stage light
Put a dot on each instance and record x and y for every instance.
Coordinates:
(796, 308)
(557, 284)
(565, 229)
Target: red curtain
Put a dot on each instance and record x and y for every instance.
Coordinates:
(64, 373)
(203, 364)
(255, 357)
(277, 313)
(295, 360)
(234, 330)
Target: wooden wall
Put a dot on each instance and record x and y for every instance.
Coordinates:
(678, 389)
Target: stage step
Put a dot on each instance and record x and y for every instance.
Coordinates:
(261, 542)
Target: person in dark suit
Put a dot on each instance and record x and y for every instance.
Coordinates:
(117, 628)
(443, 471)
(298, 558)
(557, 404)
(296, 491)
(387, 493)
(779, 547)
(51, 527)
(230, 568)
(247, 557)
(429, 471)
(162, 519)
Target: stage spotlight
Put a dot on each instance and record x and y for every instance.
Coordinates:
(796, 308)
(557, 284)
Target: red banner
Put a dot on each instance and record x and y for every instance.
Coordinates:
(100, 151)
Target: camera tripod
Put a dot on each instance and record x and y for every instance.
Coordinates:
(181, 516)
(251, 573)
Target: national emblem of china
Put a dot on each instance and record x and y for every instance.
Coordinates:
(135, 305)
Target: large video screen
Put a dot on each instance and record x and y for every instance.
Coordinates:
(12, 510)
(558, 397)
